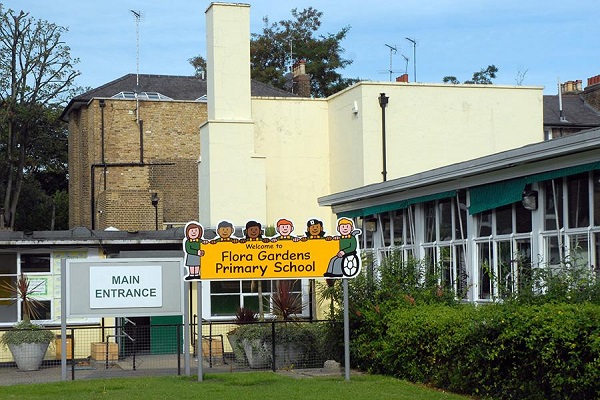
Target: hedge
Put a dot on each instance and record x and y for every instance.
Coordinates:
(498, 351)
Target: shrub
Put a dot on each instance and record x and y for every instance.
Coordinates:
(26, 332)
(551, 351)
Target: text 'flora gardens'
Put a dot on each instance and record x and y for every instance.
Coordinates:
(250, 263)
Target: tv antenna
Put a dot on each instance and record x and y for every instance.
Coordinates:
(393, 51)
(406, 65)
(289, 76)
(137, 15)
(414, 42)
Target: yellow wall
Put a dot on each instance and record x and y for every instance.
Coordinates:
(427, 126)
(291, 135)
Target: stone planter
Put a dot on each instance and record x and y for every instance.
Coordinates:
(257, 353)
(28, 356)
(237, 347)
(288, 355)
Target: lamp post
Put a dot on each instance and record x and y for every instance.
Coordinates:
(383, 101)
(154, 199)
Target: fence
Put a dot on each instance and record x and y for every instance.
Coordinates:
(137, 350)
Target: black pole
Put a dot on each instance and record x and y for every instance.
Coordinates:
(273, 341)
(383, 101)
(154, 199)
(155, 218)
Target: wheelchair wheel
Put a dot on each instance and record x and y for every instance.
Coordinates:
(350, 265)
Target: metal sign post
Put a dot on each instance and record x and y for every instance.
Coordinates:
(199, 341)
(346, 332)
(63, 319)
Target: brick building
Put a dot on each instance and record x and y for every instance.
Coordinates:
(133, 159)
(574, 110)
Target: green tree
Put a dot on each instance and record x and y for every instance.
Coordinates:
(36, 77)
(288, 41)
(42, 204)
(482, 77)
(199, 64)
(270, 52)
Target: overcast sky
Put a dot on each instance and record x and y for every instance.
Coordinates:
(535, 42)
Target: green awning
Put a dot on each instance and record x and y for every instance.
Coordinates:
(559, 173)
(496, 194)
(484, 197)
(398, 205)
(487, 197)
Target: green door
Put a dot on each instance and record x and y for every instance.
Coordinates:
(164, 334)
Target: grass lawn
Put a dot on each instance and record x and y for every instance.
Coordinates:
(246, 386)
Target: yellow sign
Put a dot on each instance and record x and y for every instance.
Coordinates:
(272, 260)
(283, 256)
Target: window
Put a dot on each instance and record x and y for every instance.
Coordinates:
(503, 250)
(484, 252)
(35, 263)
(8, 276)
(553, 204)
(227, 296)
(578, 201)
(444, 246)
(504, 221)
(141, 96)
(37, 268)
(41, 310)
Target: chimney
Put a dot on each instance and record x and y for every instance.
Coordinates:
(402, 78)
(570, 87)
(301, 79)
(591, 93)
(228, 53)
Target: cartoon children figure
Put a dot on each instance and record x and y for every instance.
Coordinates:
(348, 247)
(193, 239)
(253, 232)
(284, 228)
(225, 231)
(314, 230)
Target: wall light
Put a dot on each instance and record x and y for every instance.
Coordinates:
(529, 199)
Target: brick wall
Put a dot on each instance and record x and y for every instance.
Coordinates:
(127, 210)
(592, 92)
(170, 138)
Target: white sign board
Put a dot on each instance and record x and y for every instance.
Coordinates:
(123, 287)
(136, 286)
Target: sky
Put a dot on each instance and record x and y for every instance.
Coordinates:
(532, 42)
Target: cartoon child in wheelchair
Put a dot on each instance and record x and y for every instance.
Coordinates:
(346, 263)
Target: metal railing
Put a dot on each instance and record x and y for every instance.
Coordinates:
(111, 351)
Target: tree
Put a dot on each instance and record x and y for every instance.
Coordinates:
(42, 204)
(483, 77)
(289, 41)
(295, 39)
(36, 77)
(199, 64)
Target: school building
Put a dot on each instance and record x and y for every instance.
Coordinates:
(480, 181)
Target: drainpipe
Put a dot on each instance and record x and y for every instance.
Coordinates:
(102, 156)
(141, 124)
(383, 101)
